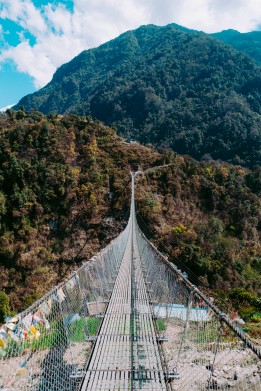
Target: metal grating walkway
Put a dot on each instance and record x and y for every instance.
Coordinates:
(126, 355)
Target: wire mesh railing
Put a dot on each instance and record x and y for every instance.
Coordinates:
(200, 346)
(45, 347)
(49, 346)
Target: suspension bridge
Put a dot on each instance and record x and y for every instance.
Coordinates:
(127, 320)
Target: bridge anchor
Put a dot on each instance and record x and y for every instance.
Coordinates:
(78, 374)
(169, 376)
(161, 338)
(91, 338)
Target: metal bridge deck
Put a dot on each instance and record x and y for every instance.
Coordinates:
(126, 356)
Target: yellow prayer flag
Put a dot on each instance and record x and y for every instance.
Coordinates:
(33, 330)
(21, 371)
(2, 345)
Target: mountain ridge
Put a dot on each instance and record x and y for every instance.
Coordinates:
(247, 43)
(168, 87)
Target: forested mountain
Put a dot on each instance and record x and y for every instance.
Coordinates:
(65, 193)
(248, 43)
(206, 217)
(166, 86)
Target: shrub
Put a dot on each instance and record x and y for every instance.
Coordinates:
(247, 313)
(256, 317)
(241, 296)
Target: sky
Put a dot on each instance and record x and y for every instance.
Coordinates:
(37, 36)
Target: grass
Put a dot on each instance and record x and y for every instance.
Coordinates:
(254, 330)
(160, 324)
(55, 336)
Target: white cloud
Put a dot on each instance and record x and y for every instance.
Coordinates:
(3, 109)
(207, 15)
(61, 34)
(25, 14)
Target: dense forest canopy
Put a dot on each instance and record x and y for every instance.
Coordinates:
(167, 86)
(248, 43)
(65, 193)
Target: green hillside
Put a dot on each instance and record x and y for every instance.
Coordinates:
(65, 193)
(248, 43)
(166, 86)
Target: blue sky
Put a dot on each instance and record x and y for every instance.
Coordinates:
(37, 36)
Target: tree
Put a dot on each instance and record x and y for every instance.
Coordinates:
(4, 306)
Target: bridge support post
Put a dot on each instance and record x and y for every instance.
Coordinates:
(85, 308)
